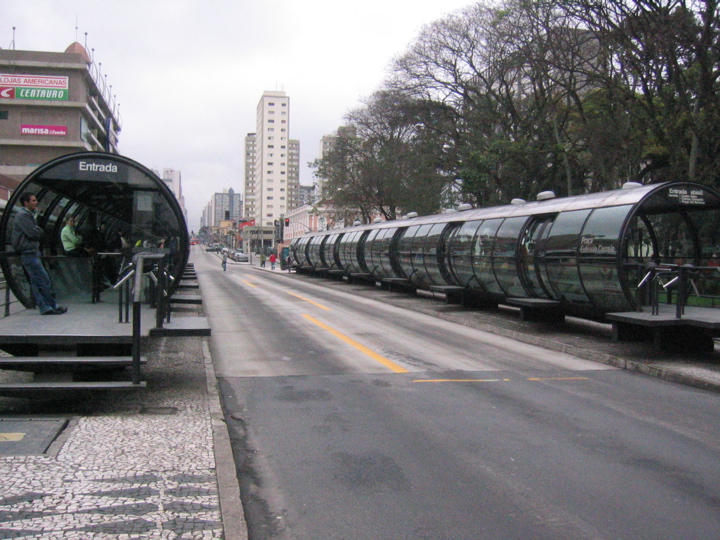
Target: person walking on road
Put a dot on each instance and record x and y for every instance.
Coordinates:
(224, 262)
(25, 239)
(273, 260)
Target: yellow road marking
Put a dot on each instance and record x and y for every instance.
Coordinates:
(362, 348)
(11, 437)
(248, 283)
(460, 380)
(505, 380)
(557, 378)
(309, 301)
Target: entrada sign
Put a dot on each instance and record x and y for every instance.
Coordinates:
(98, 167)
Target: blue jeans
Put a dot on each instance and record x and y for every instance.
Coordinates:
(39, 281)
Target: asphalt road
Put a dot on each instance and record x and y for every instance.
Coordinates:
(353, 419)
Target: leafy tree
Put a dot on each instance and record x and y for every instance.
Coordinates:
(661, 58)
(389, 167)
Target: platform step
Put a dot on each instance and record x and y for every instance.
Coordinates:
(71, 385)
(186, 299)
(186, 285)
(183, 326)
(26, 363)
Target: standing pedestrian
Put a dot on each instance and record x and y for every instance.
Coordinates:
(262, 260)
(25, 239)
(273, 260)
(224, 262)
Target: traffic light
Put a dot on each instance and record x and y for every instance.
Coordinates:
(287, 221)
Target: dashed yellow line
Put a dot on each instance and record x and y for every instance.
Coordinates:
(461, 380)
(557, 378)
(362, 348)
(246, 282)
(504, 380)
(308, 301)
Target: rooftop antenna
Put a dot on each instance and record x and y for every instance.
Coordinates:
(12, 43)
(76, 26)
(86, 41)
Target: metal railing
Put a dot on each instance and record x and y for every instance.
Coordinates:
(133, 273)
(681, 280)
(7, 295)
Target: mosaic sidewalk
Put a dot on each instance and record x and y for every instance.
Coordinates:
(130, 465)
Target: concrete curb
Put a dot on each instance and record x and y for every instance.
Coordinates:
(233, 516)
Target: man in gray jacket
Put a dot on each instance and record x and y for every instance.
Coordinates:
(26, 236)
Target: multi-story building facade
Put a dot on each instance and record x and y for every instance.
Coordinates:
(327, 143)
(224, 206)
(251, 186)
(173, 180)
(306, 195)
(272, 162)
(52, 104)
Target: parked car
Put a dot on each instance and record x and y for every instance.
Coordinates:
(212, 249)
(239, 256)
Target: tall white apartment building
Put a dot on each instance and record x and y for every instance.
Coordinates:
(272, 162)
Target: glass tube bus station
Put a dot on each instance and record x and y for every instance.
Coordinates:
(645, 257)
(120, 207)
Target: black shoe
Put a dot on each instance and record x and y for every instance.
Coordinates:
(59, 310)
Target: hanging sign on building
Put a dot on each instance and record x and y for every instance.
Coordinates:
(48, 87)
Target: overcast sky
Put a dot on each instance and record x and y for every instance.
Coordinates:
(188, 74)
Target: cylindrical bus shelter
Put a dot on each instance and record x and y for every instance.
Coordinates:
(119, 206)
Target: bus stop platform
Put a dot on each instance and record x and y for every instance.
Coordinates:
(86, 348)
(692, 330)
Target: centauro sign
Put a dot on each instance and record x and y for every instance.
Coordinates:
(47, 87)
